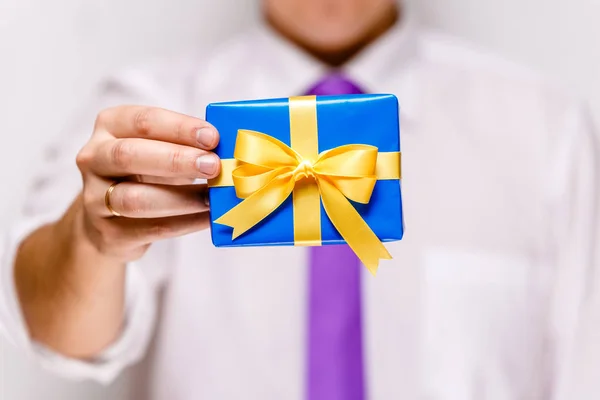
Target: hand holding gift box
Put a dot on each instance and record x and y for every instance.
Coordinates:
(309, 171)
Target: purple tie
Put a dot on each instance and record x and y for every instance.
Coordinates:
(335, 352)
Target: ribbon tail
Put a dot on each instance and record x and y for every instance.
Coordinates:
(355, 231)
(258, 206)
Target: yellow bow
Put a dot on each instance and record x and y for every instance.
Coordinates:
(265, 171)
(269, 172)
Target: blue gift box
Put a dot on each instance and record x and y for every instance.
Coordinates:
(370, 119)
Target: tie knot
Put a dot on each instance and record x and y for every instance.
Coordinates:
(304, 170)
(333, 84)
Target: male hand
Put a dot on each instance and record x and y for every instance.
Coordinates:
(154, 155)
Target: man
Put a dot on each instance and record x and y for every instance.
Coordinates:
(484, 296)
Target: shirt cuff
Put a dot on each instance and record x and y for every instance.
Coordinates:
(129, 348)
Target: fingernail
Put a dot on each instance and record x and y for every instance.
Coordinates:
(206, 137)
(207, 164)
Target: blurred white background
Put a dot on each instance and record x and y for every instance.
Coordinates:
(53, 52)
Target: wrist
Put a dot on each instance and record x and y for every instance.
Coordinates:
(65, 286)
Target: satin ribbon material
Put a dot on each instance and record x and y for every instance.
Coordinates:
(266, 172)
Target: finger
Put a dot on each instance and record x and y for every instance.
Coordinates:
(159, 180)
(140, 200)
(158, 124)
(124, 157)
(144, 231)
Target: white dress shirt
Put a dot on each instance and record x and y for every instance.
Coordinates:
(484, 296)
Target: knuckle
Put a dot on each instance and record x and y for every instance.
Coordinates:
(180, 132)
(141, 120)
(176, 159)
(122, 154)
(88, 197)
(86, 155)
(103, 117)
(84, 158)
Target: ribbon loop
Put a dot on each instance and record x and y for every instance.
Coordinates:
(352, 160)
(261, 150)
(248, 179)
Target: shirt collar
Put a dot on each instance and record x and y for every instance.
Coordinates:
(383, 67)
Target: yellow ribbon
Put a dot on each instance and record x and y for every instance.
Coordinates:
(266, 172)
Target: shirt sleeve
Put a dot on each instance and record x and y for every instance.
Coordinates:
(574, 184)
(51, 192)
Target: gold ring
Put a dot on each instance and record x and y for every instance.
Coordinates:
(107, 199)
